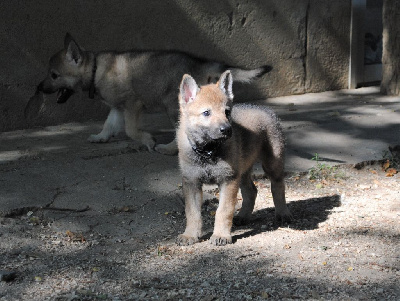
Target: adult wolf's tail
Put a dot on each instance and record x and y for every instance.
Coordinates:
(245, 76)
(213, 70)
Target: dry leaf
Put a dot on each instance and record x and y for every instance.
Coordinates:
(34, 220)
(386, 165)
(38, 278)
(75, 236)
(391, 172)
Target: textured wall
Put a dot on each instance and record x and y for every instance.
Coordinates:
(305, 41)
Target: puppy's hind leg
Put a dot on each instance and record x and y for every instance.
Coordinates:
(249, 194)
(113, 125)
(132, 114)
(275, 172)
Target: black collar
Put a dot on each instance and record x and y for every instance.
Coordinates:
(207, 153)
(92, 88)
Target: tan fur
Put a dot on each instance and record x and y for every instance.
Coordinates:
(221, 149)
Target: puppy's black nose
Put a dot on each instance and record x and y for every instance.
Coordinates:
(226, 130)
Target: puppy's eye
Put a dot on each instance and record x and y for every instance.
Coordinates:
(228, 112)
(54, 75)
(206, 113)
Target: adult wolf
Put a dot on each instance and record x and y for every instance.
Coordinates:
(218, 143)
(129, 82)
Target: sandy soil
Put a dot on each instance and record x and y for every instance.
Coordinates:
(343, 245)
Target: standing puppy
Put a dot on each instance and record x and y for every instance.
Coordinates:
(218, 144)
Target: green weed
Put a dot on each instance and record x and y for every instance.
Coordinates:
(324, 171)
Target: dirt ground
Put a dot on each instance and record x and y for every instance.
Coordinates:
(81, 221)
(343, 245)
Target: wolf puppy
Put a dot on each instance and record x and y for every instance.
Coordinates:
(129, 82)
(218, 143)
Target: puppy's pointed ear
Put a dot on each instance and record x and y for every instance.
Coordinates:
(74, 53)
(225, 84)
(187, 90)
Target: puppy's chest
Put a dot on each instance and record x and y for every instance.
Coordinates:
(211, 173)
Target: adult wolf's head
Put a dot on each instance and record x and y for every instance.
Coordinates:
(67, 71)
(205, 112)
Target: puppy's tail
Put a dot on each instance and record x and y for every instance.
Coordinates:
(246, 76)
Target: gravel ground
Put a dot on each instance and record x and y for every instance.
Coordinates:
(343, 245)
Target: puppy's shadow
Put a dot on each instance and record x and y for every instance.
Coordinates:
(307, 214)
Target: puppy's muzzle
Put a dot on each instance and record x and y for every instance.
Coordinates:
(226, 130)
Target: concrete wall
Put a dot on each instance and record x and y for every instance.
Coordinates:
(307, 43)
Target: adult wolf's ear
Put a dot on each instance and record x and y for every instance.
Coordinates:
(74, 53)
(225, 84)
(187, 90)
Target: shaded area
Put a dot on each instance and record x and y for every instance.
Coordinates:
(307, 214)
(346, 126)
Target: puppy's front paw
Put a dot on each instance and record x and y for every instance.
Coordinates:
(220, 240)
(184, 240)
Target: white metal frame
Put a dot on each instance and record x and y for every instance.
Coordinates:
(358, 72)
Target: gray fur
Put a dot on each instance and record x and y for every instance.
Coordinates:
(129, 82)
